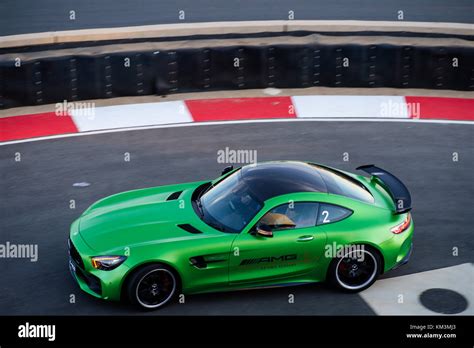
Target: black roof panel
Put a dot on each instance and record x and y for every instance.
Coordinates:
(271, 179)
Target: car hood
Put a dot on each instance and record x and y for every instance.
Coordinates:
(140, 216)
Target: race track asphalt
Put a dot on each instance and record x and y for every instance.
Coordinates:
(36, 194)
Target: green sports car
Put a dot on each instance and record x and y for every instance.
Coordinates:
(267, 224)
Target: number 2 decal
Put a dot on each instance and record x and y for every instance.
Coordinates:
(325, 213)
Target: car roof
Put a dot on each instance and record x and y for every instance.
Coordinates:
(270, 179)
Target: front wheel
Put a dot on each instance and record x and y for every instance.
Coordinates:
(355, 271)
(152, 286)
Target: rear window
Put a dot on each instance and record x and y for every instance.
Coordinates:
(329, 213)
(341, 184)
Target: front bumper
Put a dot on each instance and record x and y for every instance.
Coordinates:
(87, 282)
(98, 283)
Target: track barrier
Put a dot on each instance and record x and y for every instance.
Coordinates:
(46, 77)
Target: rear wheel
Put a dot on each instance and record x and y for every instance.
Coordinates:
(152, 286)
(355, 271)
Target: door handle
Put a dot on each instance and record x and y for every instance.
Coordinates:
(305, 238)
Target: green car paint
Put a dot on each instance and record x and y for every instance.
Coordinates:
(143, 226)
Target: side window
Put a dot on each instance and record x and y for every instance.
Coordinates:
(331, 213)
(289, 216)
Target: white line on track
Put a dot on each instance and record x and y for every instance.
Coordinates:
(192, 124)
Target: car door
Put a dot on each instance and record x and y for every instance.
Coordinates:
(293, 250)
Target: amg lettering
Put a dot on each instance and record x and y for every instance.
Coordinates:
(267, 259)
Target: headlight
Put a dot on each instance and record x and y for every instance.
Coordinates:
(107, 263)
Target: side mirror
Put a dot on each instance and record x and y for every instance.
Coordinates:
(227, 169)
(264, 231)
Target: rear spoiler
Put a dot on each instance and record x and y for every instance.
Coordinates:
(397, 190)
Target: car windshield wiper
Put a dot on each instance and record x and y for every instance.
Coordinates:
(199, 206)
(199, 203)
(215, 225)
(218, 226)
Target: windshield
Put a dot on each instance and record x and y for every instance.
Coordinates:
(229, 205)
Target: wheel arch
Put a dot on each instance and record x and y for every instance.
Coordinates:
(131, 271)
(376, 249)
(373, 247)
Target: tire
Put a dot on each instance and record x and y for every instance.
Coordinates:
(343, 276)
(152, 286)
